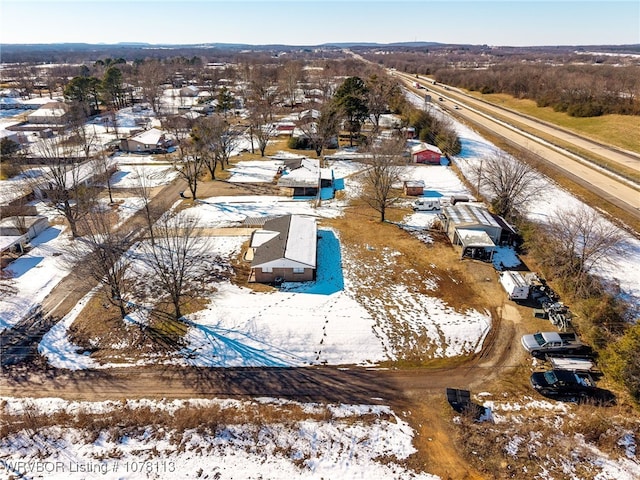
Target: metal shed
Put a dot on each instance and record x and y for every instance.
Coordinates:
(470, 217)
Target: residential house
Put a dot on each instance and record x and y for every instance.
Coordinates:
(303, 177)
(285, 249)
(51, 113)
(81, 174)
(189, 91)
(425, 153)
(149, 141)
(284, 127)
(12, 136)
(16, 232)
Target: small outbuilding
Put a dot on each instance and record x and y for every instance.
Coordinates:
(413, 188)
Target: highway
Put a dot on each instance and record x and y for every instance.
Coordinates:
(621, 192)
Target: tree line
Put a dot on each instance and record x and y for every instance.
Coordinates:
(566, 80)
(578, 90)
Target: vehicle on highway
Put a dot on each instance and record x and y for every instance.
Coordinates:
(565, 383)
(545, 343)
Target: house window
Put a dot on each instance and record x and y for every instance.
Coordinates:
(298, 270)
(267, 269)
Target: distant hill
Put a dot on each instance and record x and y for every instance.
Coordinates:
(82, 52)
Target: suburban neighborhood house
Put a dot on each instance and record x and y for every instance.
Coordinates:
(425, 153)
(146, 142)
(52, 113)
(473, 228)
(284, 250)
(16, 232)
(303, 177)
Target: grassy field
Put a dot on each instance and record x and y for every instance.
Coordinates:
(619, 130)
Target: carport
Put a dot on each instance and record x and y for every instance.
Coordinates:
(476, 244)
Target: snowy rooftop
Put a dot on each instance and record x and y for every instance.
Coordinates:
(292, 237)
(307, 173)
(149, 137)
(425, 146)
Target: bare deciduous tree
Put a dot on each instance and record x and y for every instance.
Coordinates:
(103, 255)
(383, 175)
(380, 91)
(63, 180)
(508, 182)
(577, 242)
(190, 165)
(290, 75)
(143, 190)
(151, 77)
(321, 130)
(176, 257)
(215, 140)
(107, 167)
(262, 129)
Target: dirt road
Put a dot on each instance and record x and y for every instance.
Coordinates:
(331, 384)
(419, 392)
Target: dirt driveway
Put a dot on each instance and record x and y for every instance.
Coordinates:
(416, 393)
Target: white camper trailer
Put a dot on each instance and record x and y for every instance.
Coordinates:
(426, 204)
(515, 284)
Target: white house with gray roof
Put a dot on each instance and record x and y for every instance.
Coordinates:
(149, 141)
(285, 250)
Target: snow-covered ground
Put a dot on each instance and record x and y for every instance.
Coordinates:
(320, 322)
(317, 441)
(323, 322)
(35, 274)
(132, 175)
(621, 268)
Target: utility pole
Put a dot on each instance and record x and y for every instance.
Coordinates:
(479, 179)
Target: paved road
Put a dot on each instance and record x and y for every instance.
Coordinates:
(19, 343)
(620, 192)
(612, 153)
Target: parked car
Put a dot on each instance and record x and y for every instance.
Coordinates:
(544, 343)
(571, 385)
(564, 383)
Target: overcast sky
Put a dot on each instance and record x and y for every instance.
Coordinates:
(312, 22)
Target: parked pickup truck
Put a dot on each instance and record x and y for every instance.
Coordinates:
(544, 343)
(554, 383)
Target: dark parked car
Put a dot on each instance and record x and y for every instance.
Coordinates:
(571, 385)
(563, 383)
